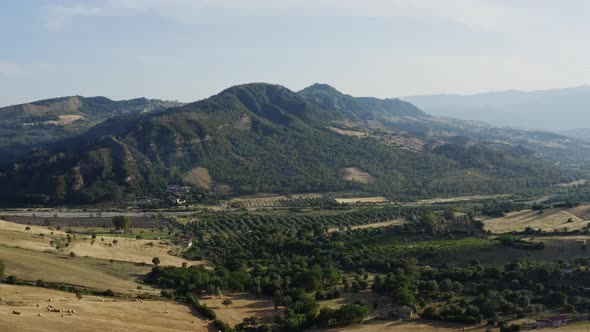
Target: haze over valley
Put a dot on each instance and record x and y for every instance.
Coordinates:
(269, 166)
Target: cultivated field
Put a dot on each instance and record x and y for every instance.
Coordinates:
(80, 271)
(412, 325)
(244, 305)
(103, 247)
(16, 235)
(373, 225)
(353, 200)
(550, 220)
(262, 201)
(84, 220)
(128, 249)
(455, 199)
(91, 313)
(556, 247)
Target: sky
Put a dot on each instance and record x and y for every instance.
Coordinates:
(187, 50)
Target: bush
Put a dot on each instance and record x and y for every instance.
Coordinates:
(221, 326)
(202, 308)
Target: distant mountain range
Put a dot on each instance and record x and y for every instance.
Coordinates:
(266, 138)
(552, 110)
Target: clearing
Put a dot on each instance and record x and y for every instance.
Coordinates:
(356, 174)
(92, 314)
(571, 184)
(550, 220)
(199, 176)
(243, 306)
(64, 120)
(348, 132)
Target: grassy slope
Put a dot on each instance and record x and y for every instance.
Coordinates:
(91, 314)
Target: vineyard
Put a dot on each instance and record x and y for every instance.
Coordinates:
(434, 251)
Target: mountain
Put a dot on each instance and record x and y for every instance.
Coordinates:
(580, 133)
(25, 126)
(265, 138)
(404, 125)
(552, 110)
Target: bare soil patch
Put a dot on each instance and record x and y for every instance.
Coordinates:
(244, 305)
(199, 176)
(353, 200)
(356, 174)
(348, 132)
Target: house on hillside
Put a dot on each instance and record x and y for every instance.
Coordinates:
(401, 312)
(554, 321)
(178, 190)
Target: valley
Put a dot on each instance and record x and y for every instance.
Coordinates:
(263, 209)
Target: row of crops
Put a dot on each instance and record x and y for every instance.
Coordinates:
(220, 235)
(289, 202)
(434, 251)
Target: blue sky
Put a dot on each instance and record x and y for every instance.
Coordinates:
(189, 49)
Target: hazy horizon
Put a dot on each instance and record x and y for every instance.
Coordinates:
(187, 50)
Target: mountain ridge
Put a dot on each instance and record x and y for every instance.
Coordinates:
(552, 110)
(261, 137)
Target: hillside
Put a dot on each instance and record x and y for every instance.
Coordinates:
(404, 125)
(25, 126)
(260, 138)
(553, 110)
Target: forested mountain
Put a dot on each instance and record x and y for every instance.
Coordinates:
(25, 126)
(265, 138)
(553, 110)
(403, 124)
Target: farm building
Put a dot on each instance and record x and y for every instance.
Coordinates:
(402, 312)
(554, 321)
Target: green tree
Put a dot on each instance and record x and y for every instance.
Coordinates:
(429, 222)
(156, 261)
(403, 296)
(122, 222)
(227, 302)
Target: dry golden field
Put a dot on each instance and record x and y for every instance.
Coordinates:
(549, 220)
(91, 313)
(244, 305)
